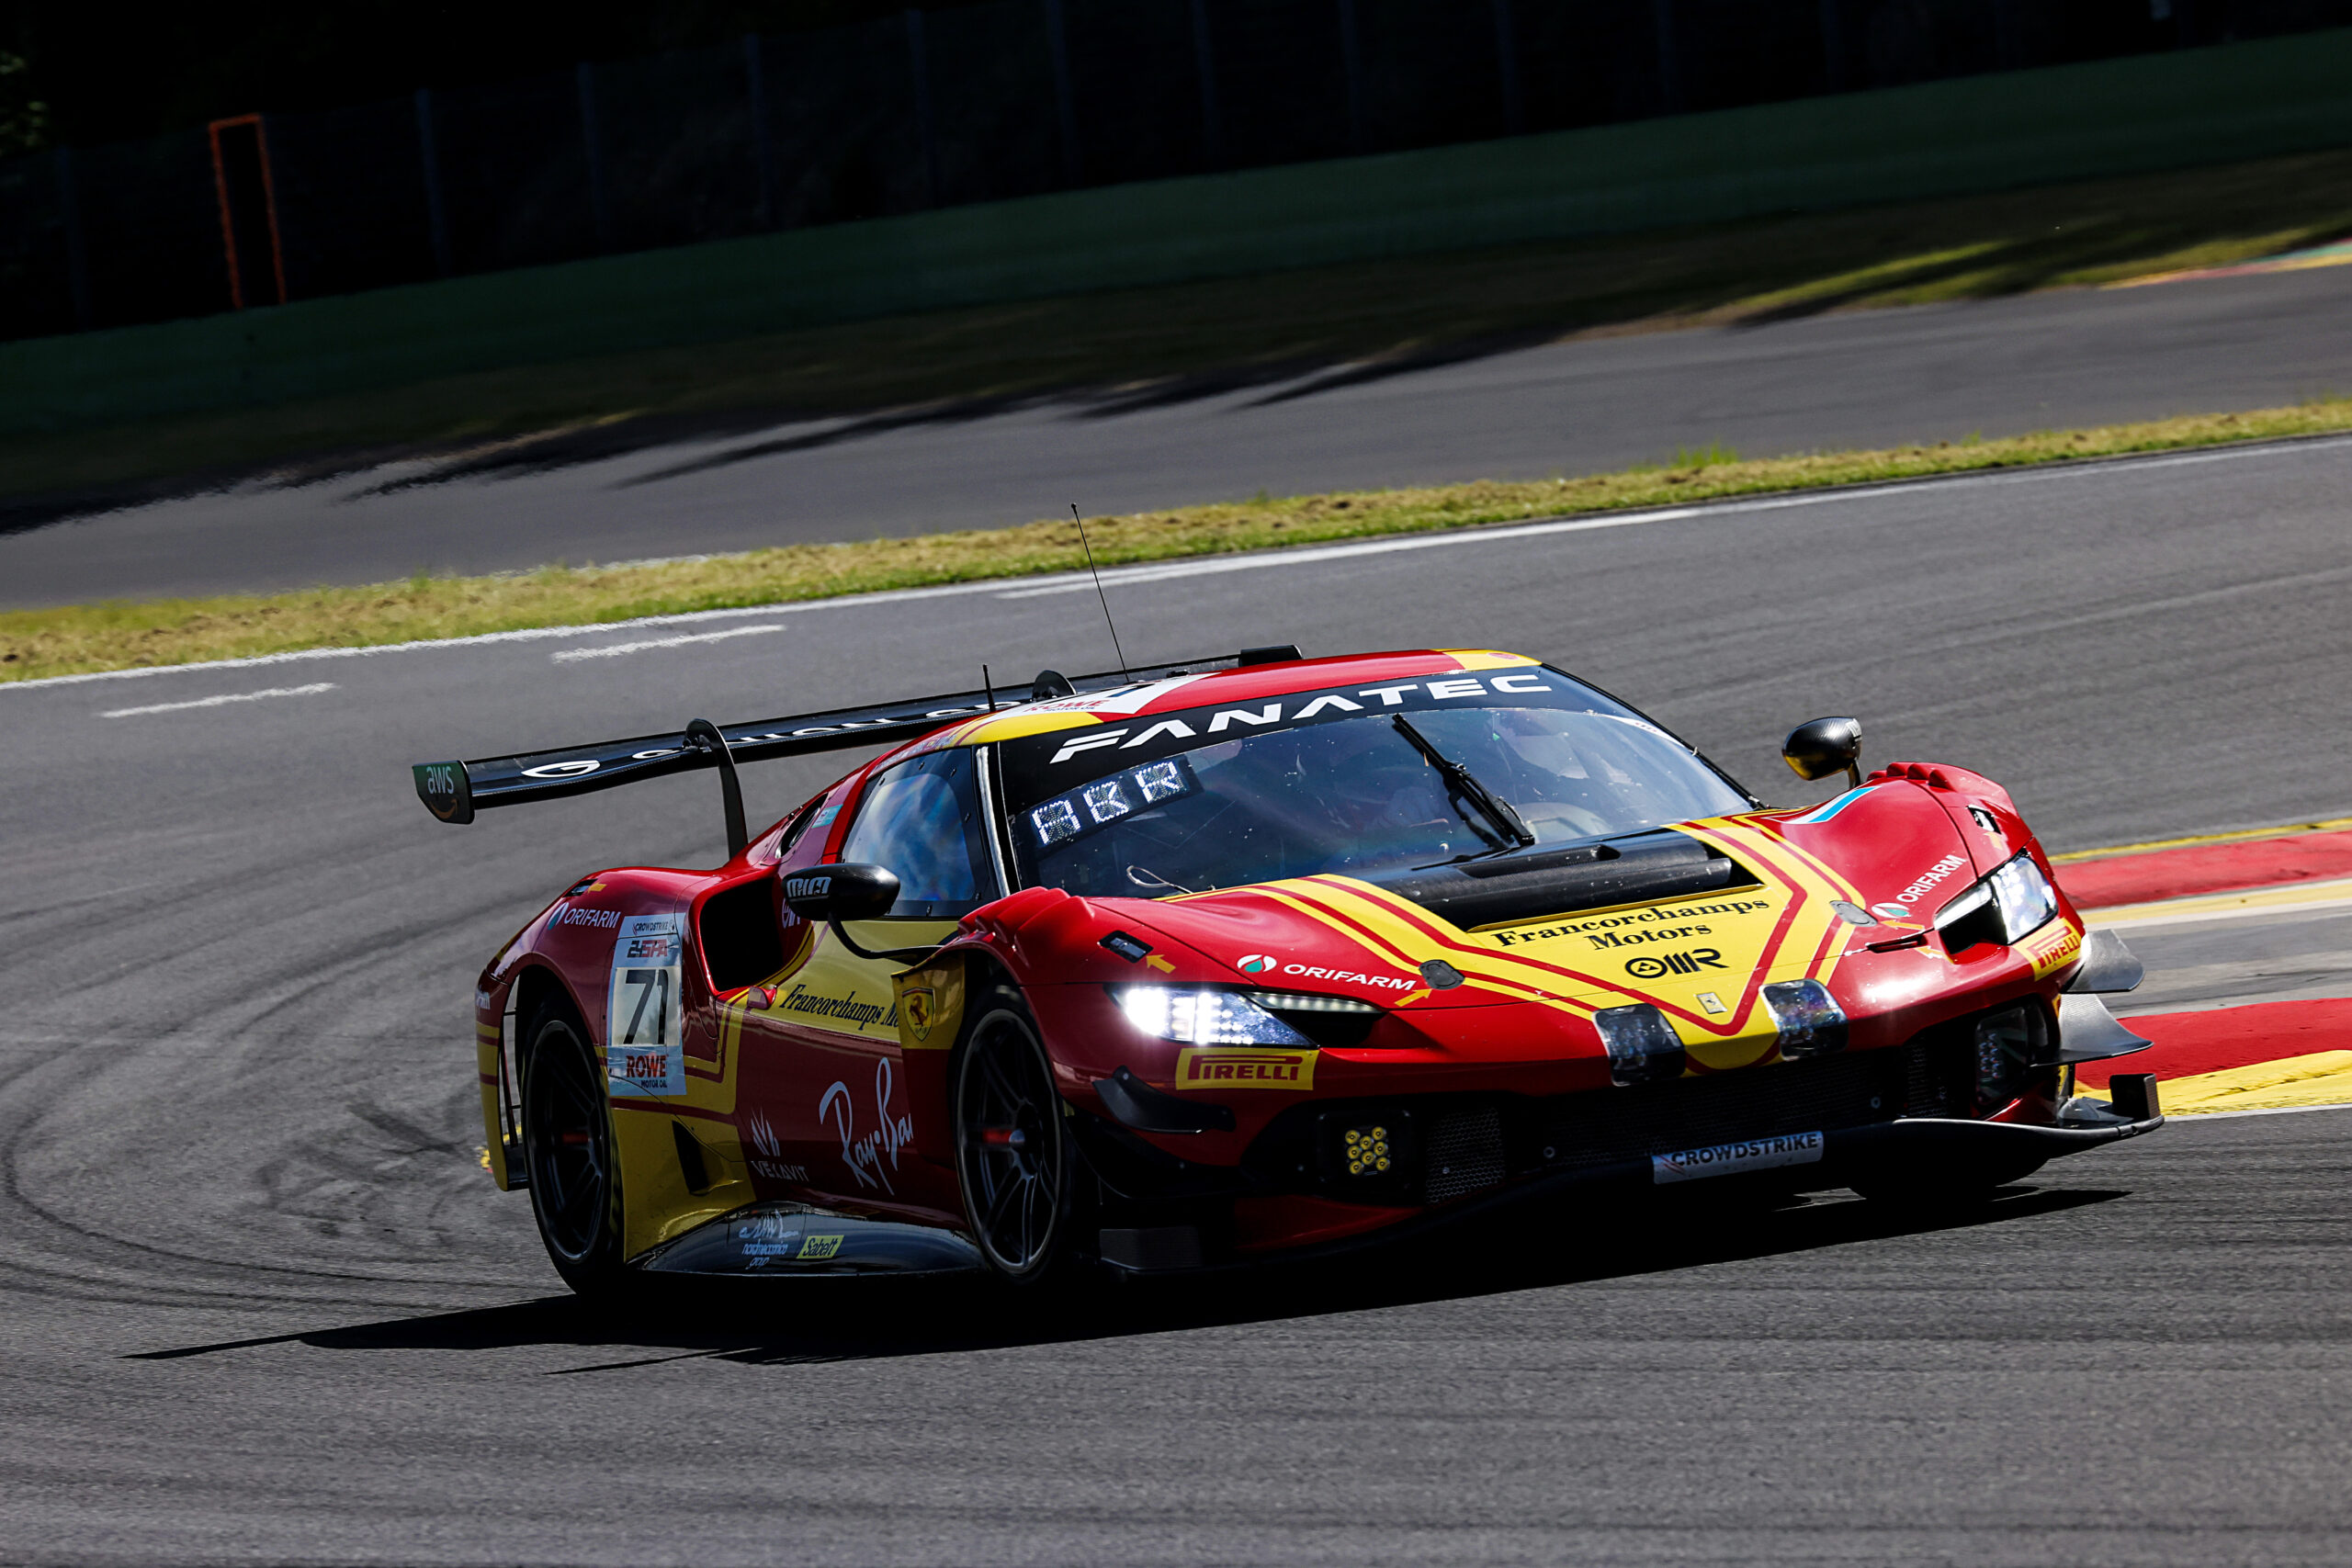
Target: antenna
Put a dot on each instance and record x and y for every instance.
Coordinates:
(1098, 589)
(988, 686)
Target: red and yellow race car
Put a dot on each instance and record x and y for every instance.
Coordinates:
(1180, 968)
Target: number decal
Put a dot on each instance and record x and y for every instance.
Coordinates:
(644, 1054)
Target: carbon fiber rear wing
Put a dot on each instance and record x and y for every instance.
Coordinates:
(455, 791)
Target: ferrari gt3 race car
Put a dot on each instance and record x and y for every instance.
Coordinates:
(1263, 957)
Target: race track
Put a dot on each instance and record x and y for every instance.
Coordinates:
(257, 1302)
(1865, 379)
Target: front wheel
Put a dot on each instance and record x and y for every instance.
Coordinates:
(567, 1149)
(1012, 1152)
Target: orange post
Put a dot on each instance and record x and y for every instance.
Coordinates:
(228, 218)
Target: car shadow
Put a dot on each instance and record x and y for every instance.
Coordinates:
(880, 1318)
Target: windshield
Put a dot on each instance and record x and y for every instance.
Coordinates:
(1330, 782)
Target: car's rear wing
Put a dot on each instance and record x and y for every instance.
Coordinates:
(455, 791)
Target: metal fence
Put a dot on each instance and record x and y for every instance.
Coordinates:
(934, 108)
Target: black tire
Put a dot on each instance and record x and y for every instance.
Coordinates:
(568, 1150)
(1955, 1186)
(1014, 1159)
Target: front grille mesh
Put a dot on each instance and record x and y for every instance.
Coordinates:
(1464, 1154)
(1607, 1125)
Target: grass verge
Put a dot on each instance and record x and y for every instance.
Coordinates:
(35, 643)
(1222, 330)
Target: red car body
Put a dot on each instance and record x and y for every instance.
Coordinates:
(803, 1108)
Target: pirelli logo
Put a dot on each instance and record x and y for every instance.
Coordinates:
(1226, 1067)
(2053, 948)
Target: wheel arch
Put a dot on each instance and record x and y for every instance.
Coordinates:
(536, 985)
(934, 1004)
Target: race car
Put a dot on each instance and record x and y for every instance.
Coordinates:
(1264, 956)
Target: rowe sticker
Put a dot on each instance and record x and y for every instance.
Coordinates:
(1227, 1066)
(644, 1054)
(1729, 1159)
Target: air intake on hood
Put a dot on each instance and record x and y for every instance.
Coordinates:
(1636, 869)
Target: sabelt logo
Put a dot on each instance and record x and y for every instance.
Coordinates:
(1226, 1066)
(2053, 948)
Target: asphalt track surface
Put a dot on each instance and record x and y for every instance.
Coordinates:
(257, 1304)
(1865, 379)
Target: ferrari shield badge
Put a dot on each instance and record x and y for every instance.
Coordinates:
(918, 1006)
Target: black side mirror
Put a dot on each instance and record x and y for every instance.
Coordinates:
(1819, 747)
(844, 892)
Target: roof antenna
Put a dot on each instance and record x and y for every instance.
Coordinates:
(988, 686)
(1098, 592)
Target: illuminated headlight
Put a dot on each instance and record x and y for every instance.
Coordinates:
(2009, 904)
(1366, 1150)
(1642, 1047)
(1300, 1001)
(1811, 1022)
(1204, 1018)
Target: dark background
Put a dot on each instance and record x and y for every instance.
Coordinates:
(409, 143)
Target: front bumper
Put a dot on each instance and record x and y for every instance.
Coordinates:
(1849, 1156)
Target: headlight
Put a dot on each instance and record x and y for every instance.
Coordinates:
(2007, 906)
(1809, 1019)
(1204, 1018)
(1642, 1047)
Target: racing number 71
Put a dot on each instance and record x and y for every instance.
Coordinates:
(649, 983)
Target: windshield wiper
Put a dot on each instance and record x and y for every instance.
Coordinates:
(1462, 786)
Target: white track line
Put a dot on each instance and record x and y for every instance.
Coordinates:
(1070, 583)
(1308, 554)
(2257, 1111)
(224, 698)
(615, 649)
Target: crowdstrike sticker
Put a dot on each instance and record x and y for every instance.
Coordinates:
(1729, 1159)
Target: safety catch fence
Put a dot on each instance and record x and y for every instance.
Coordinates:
(948, 106)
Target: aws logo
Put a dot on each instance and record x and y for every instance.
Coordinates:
(1657, 966)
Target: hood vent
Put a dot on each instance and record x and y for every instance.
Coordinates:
(1638, 869)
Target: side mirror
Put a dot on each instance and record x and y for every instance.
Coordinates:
(1819, 747)
(844, 892)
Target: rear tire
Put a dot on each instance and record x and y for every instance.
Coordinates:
(569, 1149)
(1014, 1159)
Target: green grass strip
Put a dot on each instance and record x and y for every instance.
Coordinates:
(118, 636)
